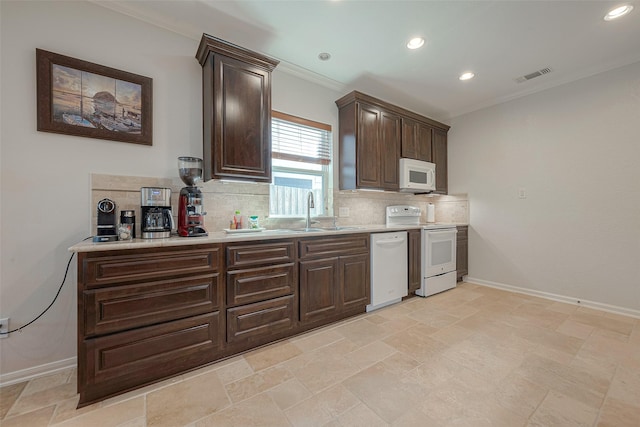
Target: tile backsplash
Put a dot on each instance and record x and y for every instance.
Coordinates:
(223, 198)
(369, 207)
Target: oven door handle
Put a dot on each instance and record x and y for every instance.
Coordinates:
(454, 231)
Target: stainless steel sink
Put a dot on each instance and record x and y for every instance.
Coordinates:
(311, 230)
(338, 228)
(296, 230)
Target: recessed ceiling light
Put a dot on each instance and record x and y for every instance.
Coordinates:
(324, 56)
(415, 43)
(618, 12)
(466, 76)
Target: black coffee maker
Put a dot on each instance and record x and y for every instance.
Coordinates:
(155, 206)
(106, 221)
(190, 208)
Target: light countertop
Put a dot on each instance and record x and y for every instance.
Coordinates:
(224, 237)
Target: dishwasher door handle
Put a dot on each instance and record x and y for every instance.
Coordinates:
(390, 242)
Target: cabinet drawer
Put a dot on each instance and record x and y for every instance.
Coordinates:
(124, 307)
(259, 284)
(252, 322)
(105, 268)
(129, 359)
(334, 246)
(260, 253)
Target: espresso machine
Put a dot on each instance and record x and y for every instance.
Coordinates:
(155, 206)
(106, 221)
(190, 208)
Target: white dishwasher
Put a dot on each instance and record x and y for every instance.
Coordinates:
(389, 269)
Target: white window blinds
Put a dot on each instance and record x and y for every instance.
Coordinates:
(300, 140)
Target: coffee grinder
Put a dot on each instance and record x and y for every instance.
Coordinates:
(190, 208)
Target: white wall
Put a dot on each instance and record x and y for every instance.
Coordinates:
(45, 204)
(576, 151)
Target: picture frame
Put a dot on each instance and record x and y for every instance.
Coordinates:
(80, 98)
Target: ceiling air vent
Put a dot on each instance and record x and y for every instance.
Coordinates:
(533, 75)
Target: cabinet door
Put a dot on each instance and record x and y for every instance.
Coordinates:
(241, 143)
(390, 136)
(439, 157)
(424, 138)
(355, 281)
(319, 289)
(415, 260)
(368, 147)
(409, 145)
(416, 140)
(462, 253)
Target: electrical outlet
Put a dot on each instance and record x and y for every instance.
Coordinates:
(343, 212)
(522, 193)
(4, 327)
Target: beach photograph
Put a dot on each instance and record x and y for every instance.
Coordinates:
(81, 98)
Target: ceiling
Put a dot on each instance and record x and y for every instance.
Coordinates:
(498, 40)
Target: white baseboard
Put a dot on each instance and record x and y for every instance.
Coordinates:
(37, 371)
(555, 297)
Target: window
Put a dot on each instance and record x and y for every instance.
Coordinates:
(301, 162)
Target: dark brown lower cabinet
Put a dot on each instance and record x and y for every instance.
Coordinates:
(334, 278)
(415, 260)
(319, 289)
(261, 292)
(148, 314)
(462, 252)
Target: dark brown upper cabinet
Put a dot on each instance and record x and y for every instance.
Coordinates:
(236, 107)
(374, 135)
(416, 140)
(439, 157)
(369, 146)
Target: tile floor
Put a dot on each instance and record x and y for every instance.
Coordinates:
(472, 356)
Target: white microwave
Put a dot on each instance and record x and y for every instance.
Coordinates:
(417, 176)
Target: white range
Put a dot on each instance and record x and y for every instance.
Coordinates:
(438, 247)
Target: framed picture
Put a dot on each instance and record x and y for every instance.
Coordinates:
(81, 98)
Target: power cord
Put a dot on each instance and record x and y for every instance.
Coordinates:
(64, 279)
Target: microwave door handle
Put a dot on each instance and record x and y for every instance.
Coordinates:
(432, 176)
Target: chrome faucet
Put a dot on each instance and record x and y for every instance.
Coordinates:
(310, 204)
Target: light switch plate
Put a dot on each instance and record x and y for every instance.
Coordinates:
(343, 212)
